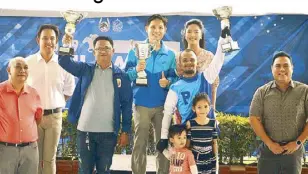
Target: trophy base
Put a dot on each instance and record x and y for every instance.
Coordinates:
(142, 82)
(66, 51)
(229, 47)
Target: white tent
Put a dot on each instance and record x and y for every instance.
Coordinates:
(51, 8)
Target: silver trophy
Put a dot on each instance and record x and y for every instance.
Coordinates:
(143, 51)
(223, 14)
(72, 18)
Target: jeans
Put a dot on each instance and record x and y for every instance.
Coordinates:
(95, 149)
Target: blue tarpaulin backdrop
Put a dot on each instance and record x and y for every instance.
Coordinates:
(243, 72)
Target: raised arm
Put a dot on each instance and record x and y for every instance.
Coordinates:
(71, 66)
(211, 72)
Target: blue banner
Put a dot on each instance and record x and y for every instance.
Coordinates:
(243, 71)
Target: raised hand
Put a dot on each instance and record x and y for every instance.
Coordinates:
(163, 82)
(67, 40)
(141, 65)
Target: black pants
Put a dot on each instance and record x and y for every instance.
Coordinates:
(270, 163)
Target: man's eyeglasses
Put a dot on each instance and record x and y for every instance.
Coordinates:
(101, 49)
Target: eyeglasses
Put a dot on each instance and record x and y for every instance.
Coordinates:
(101, 49)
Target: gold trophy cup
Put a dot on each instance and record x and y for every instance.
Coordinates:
(223, 14)
(72, 18)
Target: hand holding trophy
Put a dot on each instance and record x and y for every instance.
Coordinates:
(143, 51)
(72, 18)
(223, 14)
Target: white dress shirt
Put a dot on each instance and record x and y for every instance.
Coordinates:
(50, 80)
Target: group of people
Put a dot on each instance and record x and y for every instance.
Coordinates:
(105, 99)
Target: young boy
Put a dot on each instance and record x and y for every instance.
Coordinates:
(181, 159)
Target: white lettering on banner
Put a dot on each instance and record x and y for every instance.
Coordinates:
(119, 61)
(90, 40)
(81, 58)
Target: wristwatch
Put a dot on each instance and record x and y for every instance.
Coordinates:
(298, 142)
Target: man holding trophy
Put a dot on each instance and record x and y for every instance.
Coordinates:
(144, 66)
(193, 83)
(101, 103)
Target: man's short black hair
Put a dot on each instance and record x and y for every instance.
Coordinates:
(103, 38)
(157, 16)
(176, 129)
(48, 26)
(281, 54)
(187, 50)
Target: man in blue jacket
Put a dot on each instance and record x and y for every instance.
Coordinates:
(149, 100)
(103, 93)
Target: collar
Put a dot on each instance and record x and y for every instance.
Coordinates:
(53, 58)
(9, 88)
(291, 84)
(98, 66)
(163, 48)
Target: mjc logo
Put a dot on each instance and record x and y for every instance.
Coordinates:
(98, 1)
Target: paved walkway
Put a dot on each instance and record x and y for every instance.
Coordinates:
(123, 163)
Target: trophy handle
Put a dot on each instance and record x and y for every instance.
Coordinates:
(136, 51)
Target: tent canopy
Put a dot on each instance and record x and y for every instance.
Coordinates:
(113, 8)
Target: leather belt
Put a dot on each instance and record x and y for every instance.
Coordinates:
(16, 145)
(52, 111)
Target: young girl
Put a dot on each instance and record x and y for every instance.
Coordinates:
(181, 159)
(203, 136)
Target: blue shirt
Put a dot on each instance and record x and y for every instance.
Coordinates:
(153, 95)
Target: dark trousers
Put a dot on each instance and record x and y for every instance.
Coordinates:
(95, 149)
(270, 163)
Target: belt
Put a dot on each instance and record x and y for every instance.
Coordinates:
(52, 111)
(282, 143)
(16, 145)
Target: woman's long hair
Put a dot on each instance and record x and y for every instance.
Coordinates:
(201, 26)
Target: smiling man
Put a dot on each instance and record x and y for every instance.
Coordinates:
(182, 93)
(54, 86)
(278, 115)
(101, 106)
(149, 100)
(18, 121)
